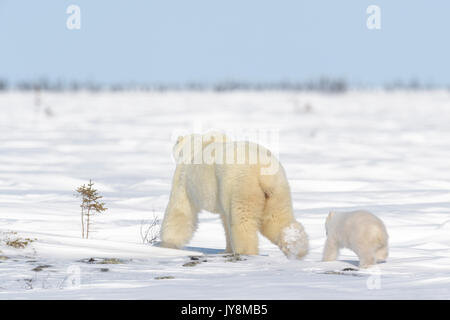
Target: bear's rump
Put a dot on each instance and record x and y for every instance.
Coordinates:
(201, 188)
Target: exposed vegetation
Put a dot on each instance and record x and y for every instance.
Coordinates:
(11, 239)
(103, 261)
(150, 231)
(40, 268)
(164, 277)
(90, 205)
(325, 84)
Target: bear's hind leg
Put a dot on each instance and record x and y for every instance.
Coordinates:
(179, 224)
(279, 226)
(245, 238)
(226, 227)
(245, 215)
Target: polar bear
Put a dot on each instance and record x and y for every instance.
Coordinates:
(360, 231)
(249, 190)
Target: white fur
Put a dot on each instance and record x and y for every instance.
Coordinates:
(246, 200)
(360, 231)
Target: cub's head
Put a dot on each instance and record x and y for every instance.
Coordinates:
(186, 146)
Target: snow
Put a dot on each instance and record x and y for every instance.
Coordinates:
(296, 241)
(384, 152)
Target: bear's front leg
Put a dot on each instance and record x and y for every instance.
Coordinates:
(180, 221)
(331, 250)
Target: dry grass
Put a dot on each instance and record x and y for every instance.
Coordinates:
(11, 239)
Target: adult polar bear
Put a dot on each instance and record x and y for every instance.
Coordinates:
(241, 181)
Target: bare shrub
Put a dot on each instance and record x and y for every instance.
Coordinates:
(150, 230)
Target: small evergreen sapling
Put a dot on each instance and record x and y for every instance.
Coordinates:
(89, 206)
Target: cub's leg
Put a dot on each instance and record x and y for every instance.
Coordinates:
(366, 257)
(381, 254)
(180, 221)
(331, 250)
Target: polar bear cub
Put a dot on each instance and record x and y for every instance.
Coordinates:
(249, 191)
(359, 231)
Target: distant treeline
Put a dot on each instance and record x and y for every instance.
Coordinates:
(323, 84)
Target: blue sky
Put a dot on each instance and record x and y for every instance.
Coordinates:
(177, 41)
